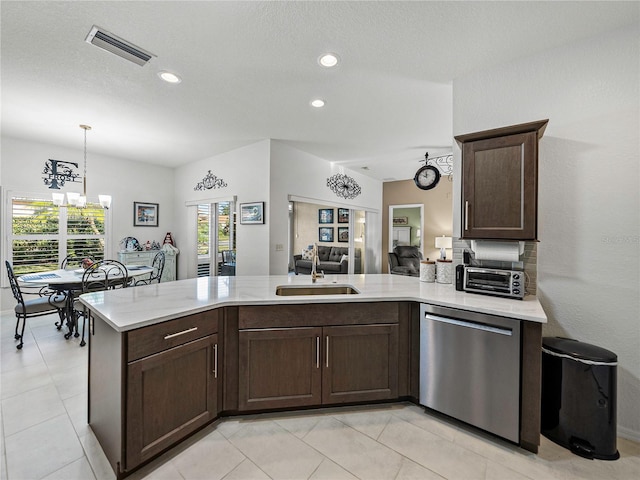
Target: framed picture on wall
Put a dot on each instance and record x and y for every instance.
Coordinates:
(252, 213)
(401, 220)
(343, 234)
(325, 234)
(145, 214)
(343, 215)
(325, 215)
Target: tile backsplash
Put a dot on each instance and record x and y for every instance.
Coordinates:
(528, 261)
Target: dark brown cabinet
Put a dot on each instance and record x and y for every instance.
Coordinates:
(500, 182)
(303, 366)
(292, 356)
(169, 395)
(165, 388)
(360, 363)
(279, 368)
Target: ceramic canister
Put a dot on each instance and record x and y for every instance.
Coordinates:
(444, 272)
(427, 271)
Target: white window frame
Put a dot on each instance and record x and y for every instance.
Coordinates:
(61, 236)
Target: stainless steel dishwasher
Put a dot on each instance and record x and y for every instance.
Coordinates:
(470, 368)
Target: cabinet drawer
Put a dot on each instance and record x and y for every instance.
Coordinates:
(156, 338)
(137, 258)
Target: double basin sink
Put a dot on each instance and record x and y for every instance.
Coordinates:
(289, 290)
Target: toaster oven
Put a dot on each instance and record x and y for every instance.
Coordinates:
(504, 283)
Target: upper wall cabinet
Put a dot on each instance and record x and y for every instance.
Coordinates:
(500, 182)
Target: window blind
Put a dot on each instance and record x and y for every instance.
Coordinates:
(42, 234)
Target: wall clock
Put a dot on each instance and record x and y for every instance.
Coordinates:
(427, 177)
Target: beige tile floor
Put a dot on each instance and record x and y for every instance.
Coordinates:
(45, 435)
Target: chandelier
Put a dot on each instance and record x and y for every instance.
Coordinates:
(75, 199)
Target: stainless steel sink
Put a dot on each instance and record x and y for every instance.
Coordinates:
(287, 290)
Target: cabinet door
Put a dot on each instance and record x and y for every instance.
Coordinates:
(360, 363)
(401, 236)
(169, 395)
(499, 187)
(279, 368)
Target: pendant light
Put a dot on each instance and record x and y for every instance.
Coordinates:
(75, 199)
(82, 199)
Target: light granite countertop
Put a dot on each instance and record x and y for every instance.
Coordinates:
(129, 308)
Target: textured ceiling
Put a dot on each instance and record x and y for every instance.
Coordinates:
(250, 70)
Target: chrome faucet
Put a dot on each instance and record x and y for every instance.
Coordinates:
(315, 261)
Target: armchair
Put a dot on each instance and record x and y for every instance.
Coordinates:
(405, 260)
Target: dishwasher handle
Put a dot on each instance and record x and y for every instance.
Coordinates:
(463, 323)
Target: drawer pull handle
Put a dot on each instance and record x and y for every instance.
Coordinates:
(317, 352)
(188, 330)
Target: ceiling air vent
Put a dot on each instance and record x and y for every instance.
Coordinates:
(109, 42)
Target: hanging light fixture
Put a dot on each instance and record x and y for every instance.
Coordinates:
(82, 200)
(75, 199)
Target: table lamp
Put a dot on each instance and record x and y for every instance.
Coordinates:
(443, 243)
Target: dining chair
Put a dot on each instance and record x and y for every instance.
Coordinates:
(158, 268)
(102, 275)
(71, 262)
(46, 303)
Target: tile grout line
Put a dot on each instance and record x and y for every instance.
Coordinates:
(66, 413)
(332, 460)
(82, 445)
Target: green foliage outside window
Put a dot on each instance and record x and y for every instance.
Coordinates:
(36, 234)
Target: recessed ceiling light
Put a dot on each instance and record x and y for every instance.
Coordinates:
(169, 77)
(328, 60)
(318, 103)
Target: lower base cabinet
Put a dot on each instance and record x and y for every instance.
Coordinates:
(151, 387)
(304, 366)
(169, 395)
(279, 368)
(165, 388)
(360, 363)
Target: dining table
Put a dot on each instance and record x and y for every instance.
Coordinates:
(68, 282)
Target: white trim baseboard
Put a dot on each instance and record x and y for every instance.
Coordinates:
(628, 434)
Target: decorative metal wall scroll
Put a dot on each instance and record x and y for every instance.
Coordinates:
(58, 172)
(210, 181)
(444, 163)
(344, 186)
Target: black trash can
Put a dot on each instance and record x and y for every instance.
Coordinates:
(579, 397)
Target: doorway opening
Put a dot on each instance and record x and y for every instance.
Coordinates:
(405, 225)
(216, 227)
(330, 227)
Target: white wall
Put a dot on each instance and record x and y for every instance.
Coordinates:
(246, 173)
(125, 180)
(294, 172)
(589, 220)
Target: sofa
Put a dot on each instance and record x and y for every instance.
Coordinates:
(405, 260)
(333, 260)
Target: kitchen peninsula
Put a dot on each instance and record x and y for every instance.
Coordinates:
(167, 359)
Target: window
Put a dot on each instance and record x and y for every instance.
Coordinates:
(216, 234)
(204, 239)
(43, 234)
